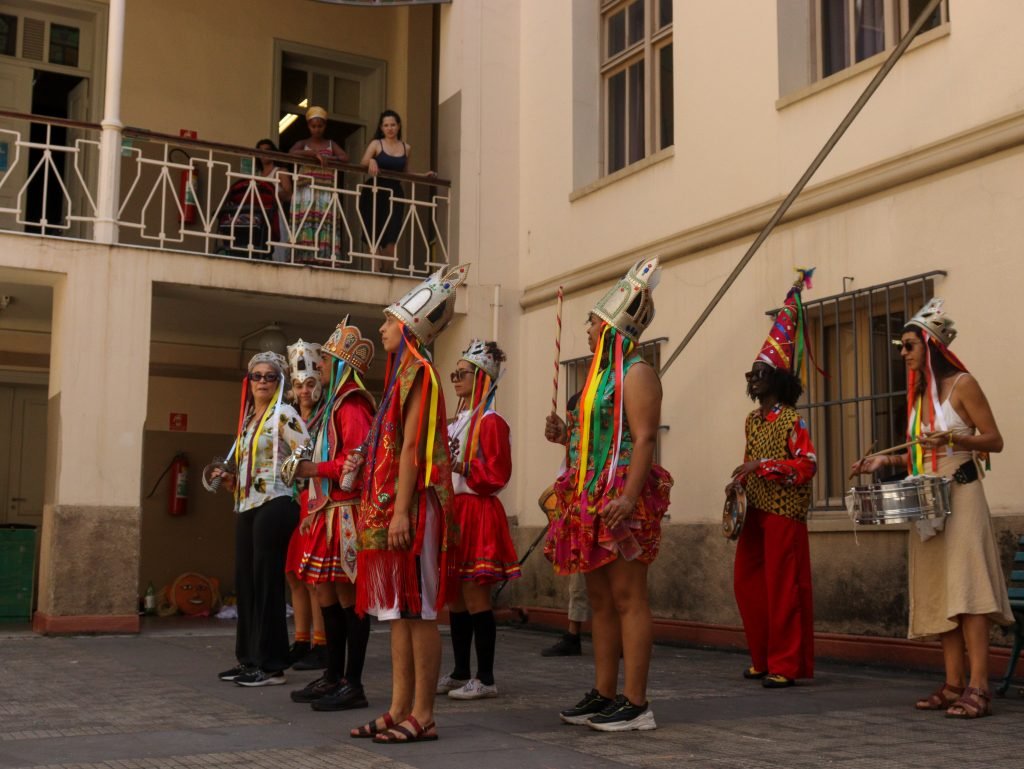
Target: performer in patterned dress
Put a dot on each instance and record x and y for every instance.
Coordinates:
(772, 572)
(306, 393)
(329, 559)
(612, 497)
(407, 532)
(482, 466)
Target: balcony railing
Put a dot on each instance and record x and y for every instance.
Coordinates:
(218, 199)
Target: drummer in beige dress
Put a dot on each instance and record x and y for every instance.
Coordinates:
(957, 589)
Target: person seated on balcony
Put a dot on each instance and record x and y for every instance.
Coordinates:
(379, 208)
(315, 229)
(269, 168)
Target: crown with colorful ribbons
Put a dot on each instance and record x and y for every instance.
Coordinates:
(480, 356)
(429, 307)
(933, 319)
(347, 343)
(786, 344)
(629, 304)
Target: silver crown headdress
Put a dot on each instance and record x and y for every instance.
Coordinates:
(273, 358)
(304, 364)
(933, 319)
(428, 308)
(629, 305)
(478, 354)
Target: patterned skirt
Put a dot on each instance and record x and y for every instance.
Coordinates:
(330, 552)
(486, 552)
(580, 541)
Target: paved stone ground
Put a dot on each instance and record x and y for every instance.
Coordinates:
(153, 702)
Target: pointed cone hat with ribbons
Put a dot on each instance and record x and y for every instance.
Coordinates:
(785, 346)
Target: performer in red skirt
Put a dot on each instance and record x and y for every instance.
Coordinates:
(772, 577)
(481, 467)
(306, 393)
(329, 558)
(406, 526)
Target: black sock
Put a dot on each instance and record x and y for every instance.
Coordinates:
(462, 642)
(485, 636)
(335, 630)
(358, 639)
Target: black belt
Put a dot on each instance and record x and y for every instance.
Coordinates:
(966, 473)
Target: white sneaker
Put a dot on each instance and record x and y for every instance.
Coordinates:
(474, 690)
(446, 684)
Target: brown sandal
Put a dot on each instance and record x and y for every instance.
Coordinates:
(416, 734)
(975, 703)
(941, 698)
(371, 729)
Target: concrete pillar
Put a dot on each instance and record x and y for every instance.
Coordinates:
(110, 139)
(99, 373)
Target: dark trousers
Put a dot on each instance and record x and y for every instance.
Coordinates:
(261, 545)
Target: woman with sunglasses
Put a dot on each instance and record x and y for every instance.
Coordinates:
(772, 571)
(481, 467)
(612, 498)
(957, 590)
(269, 430)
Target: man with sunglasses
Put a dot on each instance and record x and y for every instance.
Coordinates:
(772, 578)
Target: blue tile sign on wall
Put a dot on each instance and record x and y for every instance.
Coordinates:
(4, 147)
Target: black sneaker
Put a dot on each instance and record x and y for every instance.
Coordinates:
(235, 672)
(348, 697)
(314, 690)
(258, 677)
(314, 659)
(591, 704)
(623, 716)
(567, 646)
(297, 651)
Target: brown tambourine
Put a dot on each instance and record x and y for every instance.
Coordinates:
(548, 502)
(734, 512)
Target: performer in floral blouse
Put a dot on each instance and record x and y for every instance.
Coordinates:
(612, 498)
(268, 432)
(772, 578)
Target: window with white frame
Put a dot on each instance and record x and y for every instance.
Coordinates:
(636, 79)
(849, 31)
(860, 405)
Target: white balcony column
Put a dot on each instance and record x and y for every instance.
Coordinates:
(110, 139)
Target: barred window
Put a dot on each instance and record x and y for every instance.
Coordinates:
(860, 405)
(576, 370)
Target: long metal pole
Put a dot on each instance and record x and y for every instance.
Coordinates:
(811, 169)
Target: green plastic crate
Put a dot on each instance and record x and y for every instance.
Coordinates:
(17, 571)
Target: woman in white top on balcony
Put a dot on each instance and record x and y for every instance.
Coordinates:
(316, 230)
(283, 182)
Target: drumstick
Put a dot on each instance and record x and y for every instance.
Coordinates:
(908, 444)
(558, 350)
(870, 449)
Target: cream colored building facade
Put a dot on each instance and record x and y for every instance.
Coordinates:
(514, 100)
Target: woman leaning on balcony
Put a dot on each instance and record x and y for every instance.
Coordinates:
(316, 230)
(957, 589)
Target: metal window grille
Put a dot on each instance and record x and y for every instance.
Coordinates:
(860, 405)
(576, 374)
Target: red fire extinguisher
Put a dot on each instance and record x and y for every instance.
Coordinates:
(177, 495)
(186, 196)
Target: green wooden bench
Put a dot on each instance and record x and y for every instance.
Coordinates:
(1016, 591)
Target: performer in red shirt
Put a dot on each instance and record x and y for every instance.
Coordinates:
(481, 467)
(772, 577)
(329, 559)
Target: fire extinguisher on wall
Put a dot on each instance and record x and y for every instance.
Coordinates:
(187, 196)
(177, 492)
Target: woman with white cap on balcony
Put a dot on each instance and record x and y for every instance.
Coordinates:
(316, 230)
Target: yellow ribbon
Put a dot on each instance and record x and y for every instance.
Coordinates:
(586, 409)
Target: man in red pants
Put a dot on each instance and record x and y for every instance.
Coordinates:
(772, 577)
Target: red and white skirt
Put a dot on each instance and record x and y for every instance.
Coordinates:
(330, 548)
(486, 552)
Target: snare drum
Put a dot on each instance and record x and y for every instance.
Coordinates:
(734, 512)
(912, 499)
